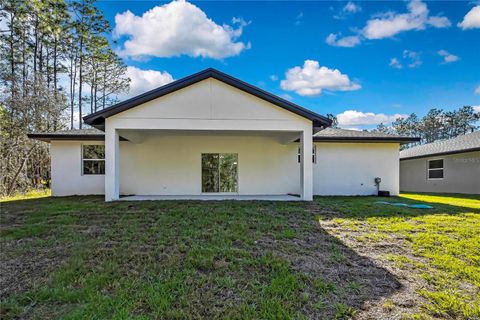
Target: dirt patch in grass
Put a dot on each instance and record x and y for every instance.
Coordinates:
(24, 264)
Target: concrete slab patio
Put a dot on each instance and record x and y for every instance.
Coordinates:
(208, 197)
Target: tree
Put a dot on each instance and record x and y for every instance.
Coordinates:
(39, 46)
(334, 120)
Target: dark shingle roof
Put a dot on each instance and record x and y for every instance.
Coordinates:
(77, 134)
(328, 134)
(465, 143)
(336, 134)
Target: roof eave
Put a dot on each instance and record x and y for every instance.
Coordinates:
(437, 154)
(401, 140)
(47, 137)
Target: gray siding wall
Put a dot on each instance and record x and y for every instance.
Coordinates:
(461, 174)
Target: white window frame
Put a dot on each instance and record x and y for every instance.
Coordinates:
(442, 168)
(314, 154)
(86, 159)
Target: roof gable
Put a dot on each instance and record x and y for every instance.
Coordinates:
(97, 119)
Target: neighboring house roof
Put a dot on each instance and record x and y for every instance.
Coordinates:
(97, 119)
(343, 135)
(466, 143)
(78, 134)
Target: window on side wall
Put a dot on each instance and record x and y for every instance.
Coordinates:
(435, 169)
(314, 154)
(93, 159)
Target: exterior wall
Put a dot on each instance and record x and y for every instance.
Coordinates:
(66, 167)
(350, 168)
(171, 164)
(461, 174)
(208, 105)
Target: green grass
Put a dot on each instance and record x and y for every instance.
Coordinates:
(32, 194)
(440, 246)
(335, 258)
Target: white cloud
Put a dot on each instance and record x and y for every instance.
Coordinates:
(144, 80)
(286, 96)
(471, 19)
(409, 58)
(351, 7)
(273, 77)
(413, 58)
(476, 109)
(477, 90)
(447, 57)
(178, 28)
(312, 78)
(347, 42)
(390, 23)
(358, 118)
(298, 18)
(394, 63)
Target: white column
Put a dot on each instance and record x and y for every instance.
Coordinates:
(306, 167)
(112, 167)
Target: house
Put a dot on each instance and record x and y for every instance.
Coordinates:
(212, 136)
(451, 166)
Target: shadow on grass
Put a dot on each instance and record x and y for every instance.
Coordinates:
(180, 259)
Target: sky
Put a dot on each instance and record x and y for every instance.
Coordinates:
(368, 62)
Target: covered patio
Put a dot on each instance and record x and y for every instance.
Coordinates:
(159, 164)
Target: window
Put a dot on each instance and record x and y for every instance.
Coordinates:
(314, 154)
(435, 169)
(219, 172)
(93, 159)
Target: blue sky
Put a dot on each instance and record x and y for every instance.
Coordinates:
(373, 59)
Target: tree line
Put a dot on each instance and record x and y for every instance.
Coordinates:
(437, 124)
(56, 65)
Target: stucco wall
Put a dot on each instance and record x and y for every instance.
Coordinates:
(461, 174)
(171, 164)
(350, 168)
(66, 167)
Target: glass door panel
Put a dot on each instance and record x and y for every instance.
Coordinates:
(219, 172)
(210, 176)
(228, 172)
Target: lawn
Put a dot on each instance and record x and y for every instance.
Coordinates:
(335, 258)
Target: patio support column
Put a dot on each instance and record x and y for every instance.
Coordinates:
(112, 164)
(306, 168)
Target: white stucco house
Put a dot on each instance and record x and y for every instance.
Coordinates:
(212, 136)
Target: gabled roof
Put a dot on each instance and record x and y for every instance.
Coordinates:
(97, 119)
(466, 143)
(339, 135)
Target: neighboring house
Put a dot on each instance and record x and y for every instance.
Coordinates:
(451, 166)
(210, 134)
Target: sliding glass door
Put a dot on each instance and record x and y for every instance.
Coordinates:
(219, 172)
